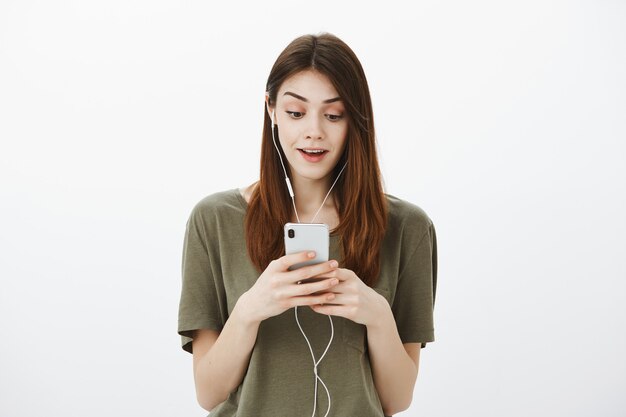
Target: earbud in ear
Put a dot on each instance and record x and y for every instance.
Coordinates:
(273, 119)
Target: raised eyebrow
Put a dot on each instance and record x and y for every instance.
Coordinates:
(299, 97)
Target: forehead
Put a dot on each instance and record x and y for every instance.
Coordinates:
(313, 85)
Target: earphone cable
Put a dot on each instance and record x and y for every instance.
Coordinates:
(327, 194)
(285, 171)
(332, 327)
(317, 362)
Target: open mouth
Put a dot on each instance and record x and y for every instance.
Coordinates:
(313, 155)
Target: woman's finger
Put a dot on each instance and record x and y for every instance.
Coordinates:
(310, 300)
(331, 310)
(313, 287)
(284, 262)
(330, 274)
(309, 271)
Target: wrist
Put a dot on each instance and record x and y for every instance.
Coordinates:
(383, 316)
(242, 312)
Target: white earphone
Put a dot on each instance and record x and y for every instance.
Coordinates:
(332, 327)
(291, 193)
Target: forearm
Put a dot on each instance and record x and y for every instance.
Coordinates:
(221, 370)
(393, 369)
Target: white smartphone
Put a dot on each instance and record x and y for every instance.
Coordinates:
(310, 237)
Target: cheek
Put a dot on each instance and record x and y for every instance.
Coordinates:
(287, 131)
(341, 135)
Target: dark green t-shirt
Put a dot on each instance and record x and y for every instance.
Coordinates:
(280, 381)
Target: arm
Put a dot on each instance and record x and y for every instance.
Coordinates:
(220, 359)
(394, 365)
(394, 368)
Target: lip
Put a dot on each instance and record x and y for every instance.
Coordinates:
(312, 158)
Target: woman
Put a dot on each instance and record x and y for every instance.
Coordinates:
(372, 311)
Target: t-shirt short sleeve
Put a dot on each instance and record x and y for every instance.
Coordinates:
(415, 294)
(201, 297)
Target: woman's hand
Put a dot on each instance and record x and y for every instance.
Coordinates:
(278, 289)
(354, 300)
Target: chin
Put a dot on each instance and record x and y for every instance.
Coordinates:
(311, 173)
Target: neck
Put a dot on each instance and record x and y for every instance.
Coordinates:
(309, 195)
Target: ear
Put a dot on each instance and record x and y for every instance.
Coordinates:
(269, 107)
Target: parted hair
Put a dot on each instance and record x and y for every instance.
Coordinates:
(358, 194)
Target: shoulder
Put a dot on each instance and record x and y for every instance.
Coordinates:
(407, 213)
(215, 206)
(216, 200)
(407, 219)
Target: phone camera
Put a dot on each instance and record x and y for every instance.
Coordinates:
(291, 233)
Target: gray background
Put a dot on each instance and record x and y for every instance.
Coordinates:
(503, 120)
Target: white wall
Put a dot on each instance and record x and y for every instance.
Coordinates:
(503, 120)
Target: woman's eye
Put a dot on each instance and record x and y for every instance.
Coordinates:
(300, 115)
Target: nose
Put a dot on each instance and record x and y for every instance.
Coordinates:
(314, 129)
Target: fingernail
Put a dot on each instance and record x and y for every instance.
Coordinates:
(311, 254)
(333, 264)
(330, 297)
(334, 281)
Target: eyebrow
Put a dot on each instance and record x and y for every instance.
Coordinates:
(299, 97)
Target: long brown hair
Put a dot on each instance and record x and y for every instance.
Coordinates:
(358, 194)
